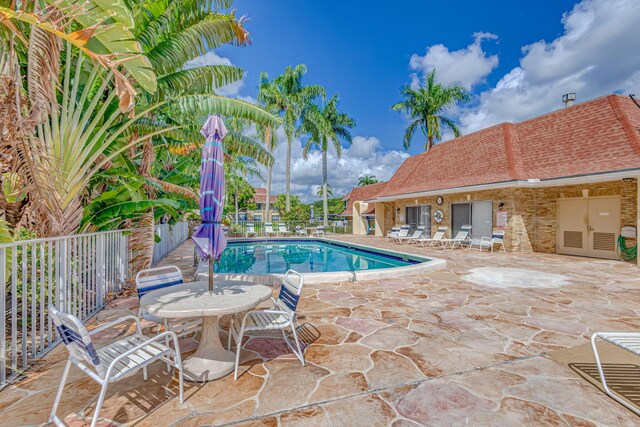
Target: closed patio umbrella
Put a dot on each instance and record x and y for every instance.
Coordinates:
(209, 237)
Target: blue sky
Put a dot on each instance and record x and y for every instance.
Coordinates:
(516, 57)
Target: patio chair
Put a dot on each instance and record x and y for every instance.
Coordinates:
(463, 236)
(629, 341)
(417, 234)
(319, 231)
(282, 229)
(497, 238)
(281, 317)
(250, 230)
(112, 362)
(158, 278)
(300, 231)
(394, 232)
(268, 229)
(404, 232)
(437, 238)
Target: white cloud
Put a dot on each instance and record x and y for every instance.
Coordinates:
(364, 156)
(468, 66)
(597, 54)
(210, 58)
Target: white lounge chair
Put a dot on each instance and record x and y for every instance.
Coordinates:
(437, 238)
(112, 362)
(319, 231)
(282, 229)
(300, 231)
(268, 229)
(629, 341)
(250, 230)
(281, 317)
(391, 234)
(414, 237)
(462, 237)
(404, 232)
(158, 278)
(497, 238)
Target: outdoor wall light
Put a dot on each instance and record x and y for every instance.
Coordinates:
(500, 206)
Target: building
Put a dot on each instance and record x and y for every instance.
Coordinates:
(362, 213)
(259, 213)
(564, 182)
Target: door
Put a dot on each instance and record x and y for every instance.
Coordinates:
(425, 219)
(604, 226)
(411, 216)
(481, 220)
(460, 215)
(588, 227)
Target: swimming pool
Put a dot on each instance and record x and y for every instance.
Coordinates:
(304, 256)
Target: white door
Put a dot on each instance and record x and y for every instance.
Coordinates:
(481, 220)
(571, 238)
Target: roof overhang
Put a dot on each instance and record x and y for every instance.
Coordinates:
(530, 183)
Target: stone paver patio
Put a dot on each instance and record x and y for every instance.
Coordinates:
(434, 349)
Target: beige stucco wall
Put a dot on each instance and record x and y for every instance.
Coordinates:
(532, 212)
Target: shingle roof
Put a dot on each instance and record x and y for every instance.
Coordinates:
(260, 196)
(367, 192)
(601, 135)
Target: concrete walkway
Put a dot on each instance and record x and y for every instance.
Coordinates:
(467, 345)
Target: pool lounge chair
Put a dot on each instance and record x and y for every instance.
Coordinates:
(114, 361)
(250, 230)
(437, 238)
(497, 238)
(319, 231)
(417, 234)
(281, 317)
(629, 341)
(394, 232)
(462, 237)
(300, 231)
(404, 232)
(282, 229)
(268, 229)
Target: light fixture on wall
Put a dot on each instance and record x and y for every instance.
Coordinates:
(500, 206)
(628, 179)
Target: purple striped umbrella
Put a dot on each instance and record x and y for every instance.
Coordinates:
(209, 237)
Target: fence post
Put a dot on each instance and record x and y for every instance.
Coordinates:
(123, 257)
(100, 269)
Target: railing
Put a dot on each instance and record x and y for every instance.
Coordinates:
(75, 273)
(239, 229)
(171, 236)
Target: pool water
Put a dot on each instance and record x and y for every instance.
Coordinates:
(276, 257)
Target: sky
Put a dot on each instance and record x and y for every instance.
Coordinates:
(516, 58)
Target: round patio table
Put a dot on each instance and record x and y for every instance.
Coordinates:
(211, 360)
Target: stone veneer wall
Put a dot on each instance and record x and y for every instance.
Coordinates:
(532, 212)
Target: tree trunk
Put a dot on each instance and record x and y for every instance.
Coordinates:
(288, 176)
(325, 202)
(267, 215)
(235, 196)
(429, 142)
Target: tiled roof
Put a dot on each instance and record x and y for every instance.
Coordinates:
(601, 135)
(260, 196)
(367, 192)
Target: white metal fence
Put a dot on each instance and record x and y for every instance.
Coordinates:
(293, 228)
(74, 273)
(171, 236)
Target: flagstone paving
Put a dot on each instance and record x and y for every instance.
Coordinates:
(440, 348)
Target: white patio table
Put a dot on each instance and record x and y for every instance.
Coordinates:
(211, 360)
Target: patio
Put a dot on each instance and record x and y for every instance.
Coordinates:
(433, 349)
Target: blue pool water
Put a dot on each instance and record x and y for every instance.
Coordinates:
(305, 256)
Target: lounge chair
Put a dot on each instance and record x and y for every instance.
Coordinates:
(268, 229)
(319, 231)
(497, 238)
(629, 341)
(436, 239)
(114, 361)
(417, 234)
(250, 230)
(152, 279)
(462, 237)
(391, 234)
(404, 232)
(282, 229)
(300, 231)
(281, 317)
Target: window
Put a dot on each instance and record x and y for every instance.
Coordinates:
(479, 215)
(257, 217)
(419, 215)
(259, 206)
(275, 217)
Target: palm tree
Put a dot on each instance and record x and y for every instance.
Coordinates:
(326, 125)
(367, 180)
(287, 95)
(425, 106)
(237, 171)
(320, 191)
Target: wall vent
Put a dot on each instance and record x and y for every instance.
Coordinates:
(604, 241)
(573, 239)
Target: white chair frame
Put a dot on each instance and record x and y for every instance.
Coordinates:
(282, 229)
(250, 230)
(268, 229)
(281, 317)
(462, 236)
(319, 231)
(417, 234)
(497, 238)
(129, 358)
(392, 233)
(404, 232)
(437, 238)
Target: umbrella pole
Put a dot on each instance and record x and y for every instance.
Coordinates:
(210, 274)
